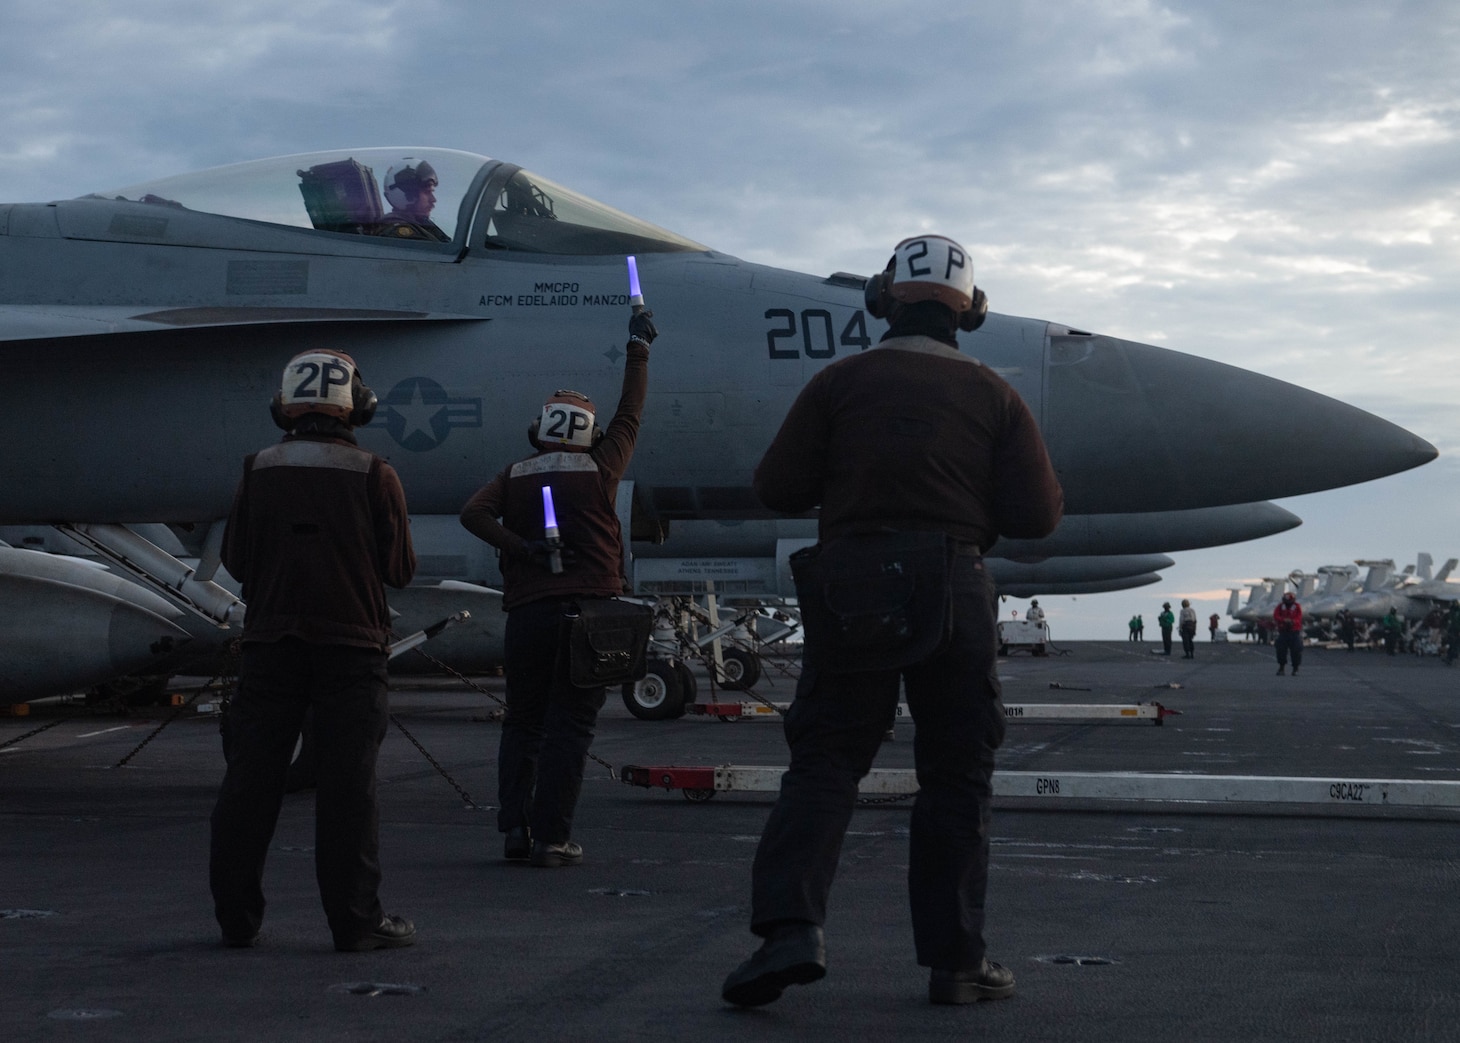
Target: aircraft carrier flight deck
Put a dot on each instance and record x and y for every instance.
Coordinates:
(1156, 916)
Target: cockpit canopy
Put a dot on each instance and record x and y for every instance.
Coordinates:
(438, 199)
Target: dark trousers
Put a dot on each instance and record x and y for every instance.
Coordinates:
(548, 727)
(834, 729)
(347, 689)
(1188, 643)
(1166, 639)
(1290, 642)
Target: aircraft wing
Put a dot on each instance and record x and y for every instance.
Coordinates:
(46, 322)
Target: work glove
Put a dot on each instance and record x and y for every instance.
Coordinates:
(641, 327)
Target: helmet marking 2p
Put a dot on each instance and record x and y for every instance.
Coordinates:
(325, 382)
(928, 268)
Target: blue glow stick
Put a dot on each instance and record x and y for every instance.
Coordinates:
(550, 532)
(636, 296)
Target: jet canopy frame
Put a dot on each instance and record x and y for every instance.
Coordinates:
(481, 201)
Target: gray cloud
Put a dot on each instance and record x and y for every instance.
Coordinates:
(1271, 185)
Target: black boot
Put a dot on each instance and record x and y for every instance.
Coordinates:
(989, 981)
(793, 954)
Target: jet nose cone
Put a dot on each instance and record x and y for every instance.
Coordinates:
(1129, 423)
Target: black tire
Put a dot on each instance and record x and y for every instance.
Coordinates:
(688, 685)
(742, 669)
(659, 696)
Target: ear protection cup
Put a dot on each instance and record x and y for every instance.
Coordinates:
(972, 319)
(877, 293)
(363, 403)
(282, 420)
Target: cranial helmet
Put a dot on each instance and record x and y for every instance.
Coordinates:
(567, 419)
(1289, 596)
(928, 268)
(325, 382)
(403, 182)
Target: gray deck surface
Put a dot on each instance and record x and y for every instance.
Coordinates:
(1186, 922)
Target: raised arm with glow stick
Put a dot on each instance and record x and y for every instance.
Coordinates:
(641, 324)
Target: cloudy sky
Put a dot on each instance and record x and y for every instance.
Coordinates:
(1273, 185)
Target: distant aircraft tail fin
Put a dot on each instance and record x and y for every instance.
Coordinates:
(1378, 574)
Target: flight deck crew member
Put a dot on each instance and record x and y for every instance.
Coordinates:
(1287, 620)
(911, 436)
(1186, 625)
(1451, 624)
(1165, 621)
(549, 723)
(318, 527)
(1393, 630)
(1213, 622)
(410, 189)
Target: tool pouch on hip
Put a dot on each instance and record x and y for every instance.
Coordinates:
(875, 602)
(608, 642)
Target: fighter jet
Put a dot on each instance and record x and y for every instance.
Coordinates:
(1262, 598)
(1435, 588)
(1413, 594)
(1337, 586)
(145, 328)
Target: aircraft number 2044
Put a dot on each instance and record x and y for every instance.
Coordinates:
(817, 337)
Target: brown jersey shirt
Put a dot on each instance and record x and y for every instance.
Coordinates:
(912, 435)
(584, 490)
(318, 527)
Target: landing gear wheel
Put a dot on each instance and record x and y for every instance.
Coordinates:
(659, 696)
(742, 669)
(687, 684)
(698, 795)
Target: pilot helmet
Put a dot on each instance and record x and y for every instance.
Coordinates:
(325, 382)
(403, 182)
(567, 420)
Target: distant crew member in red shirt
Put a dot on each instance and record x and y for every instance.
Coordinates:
(1287, 619)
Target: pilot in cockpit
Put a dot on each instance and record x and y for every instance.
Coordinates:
(410, 189)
